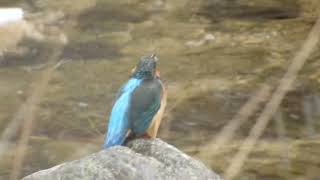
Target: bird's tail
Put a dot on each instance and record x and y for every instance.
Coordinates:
(119, 140)
(119, 123)
(114, 139)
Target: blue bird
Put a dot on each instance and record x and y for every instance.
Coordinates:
(139, 106)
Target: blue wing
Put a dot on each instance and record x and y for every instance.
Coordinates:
(119, 121)
(145, 103)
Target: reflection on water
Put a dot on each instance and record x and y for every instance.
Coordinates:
(10, 14)
(214, 55)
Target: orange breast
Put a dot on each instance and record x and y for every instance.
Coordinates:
(156, 121)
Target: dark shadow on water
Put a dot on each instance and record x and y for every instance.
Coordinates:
(95, 25)
(31, 52)
(103, 13)
(90, 50)
(233, 9)
(10, 3)
(203, 115)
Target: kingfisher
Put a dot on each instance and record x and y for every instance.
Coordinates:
(139, 106)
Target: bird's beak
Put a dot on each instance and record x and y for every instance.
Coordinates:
(153, 56)
(157, 72)
(133, 70)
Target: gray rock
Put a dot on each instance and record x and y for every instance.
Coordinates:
(141, 160)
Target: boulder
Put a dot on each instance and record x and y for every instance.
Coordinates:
(141, 160)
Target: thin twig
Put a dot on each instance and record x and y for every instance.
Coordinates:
(62, 62)
(15, 123)
(11, 129)
(28, 114)
(242, 116)
(166, 124)
(272, 106)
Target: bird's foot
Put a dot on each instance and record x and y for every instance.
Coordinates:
(145, 136)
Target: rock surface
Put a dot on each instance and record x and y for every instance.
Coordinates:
(143, 160)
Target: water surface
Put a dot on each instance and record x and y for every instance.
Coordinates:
(214, 56)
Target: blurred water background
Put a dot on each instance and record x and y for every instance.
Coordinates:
(62, 63)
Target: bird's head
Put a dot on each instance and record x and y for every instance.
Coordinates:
(146, 68)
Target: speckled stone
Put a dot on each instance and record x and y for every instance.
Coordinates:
(141, 160)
